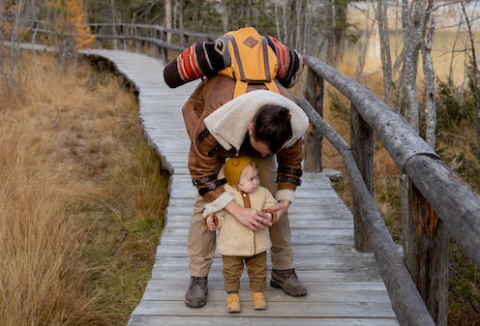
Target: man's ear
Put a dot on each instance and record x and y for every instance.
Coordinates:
(250, 126)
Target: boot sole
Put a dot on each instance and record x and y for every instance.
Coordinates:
(234, 311)
(278, 285)
(260, 308)
(200, 304)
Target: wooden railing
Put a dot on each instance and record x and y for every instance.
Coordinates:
(133, 36)
(154, 35)
(437, 202)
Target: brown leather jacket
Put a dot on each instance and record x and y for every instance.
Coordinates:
(207, 155)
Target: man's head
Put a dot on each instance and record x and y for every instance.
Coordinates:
(269, 129)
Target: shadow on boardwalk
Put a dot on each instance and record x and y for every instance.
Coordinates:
(344, 286)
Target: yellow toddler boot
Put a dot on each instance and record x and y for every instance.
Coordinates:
(233, 302)
(259, 302)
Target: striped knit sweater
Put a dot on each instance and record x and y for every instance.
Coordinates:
(207, 58)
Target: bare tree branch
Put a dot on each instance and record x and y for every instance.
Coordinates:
(364, 44)
(382, 19)
(475, 76)
(453, 53)
(428, 71)
(457, 25)
(412, 111)
(442, 4)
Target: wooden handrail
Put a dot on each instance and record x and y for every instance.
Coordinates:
(406, 301)
(129, 32)
(153, 40)
(146, 26)
(158, 28)
(450, 197)
(438, 203)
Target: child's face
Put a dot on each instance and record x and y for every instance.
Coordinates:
(249, 181)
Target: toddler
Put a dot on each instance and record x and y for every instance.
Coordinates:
(237, 244)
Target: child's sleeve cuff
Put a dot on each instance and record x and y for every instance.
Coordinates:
(218, 204)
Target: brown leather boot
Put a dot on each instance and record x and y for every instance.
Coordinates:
(287, 280)
(196, 296)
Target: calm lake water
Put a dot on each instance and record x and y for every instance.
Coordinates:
(449, 42)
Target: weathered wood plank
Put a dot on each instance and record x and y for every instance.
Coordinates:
(255, 321)
(273, 296)
(279, 309)
(318, 262)
(307, 276)
(299, 250)
(217, 293)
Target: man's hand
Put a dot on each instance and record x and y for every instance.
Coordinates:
(280, 208)
(253, 219)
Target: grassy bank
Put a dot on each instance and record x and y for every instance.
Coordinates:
(81, 199)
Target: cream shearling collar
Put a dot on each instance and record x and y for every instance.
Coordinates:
(229, 123)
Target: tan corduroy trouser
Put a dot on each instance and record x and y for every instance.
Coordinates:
(201, 242)
(257, 272)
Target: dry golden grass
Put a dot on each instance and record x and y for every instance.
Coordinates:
(80, 193)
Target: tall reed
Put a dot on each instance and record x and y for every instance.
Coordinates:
(42, 274)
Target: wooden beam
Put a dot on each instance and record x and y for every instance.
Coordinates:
(456, 204)
(426, 251)
(361, 136)
(313, 139)
(399, 139)
(406, 301)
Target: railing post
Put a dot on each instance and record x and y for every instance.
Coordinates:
(114, 38)
(122, 37)
(185, 40)
(162, 52)
(425, 243)
(361, 136)
(97, 31)
(313, 139)
(138, 43)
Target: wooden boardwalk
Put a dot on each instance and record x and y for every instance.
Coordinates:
(344, 286)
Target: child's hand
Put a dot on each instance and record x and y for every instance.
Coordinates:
(211, 223)
(271, 214)
(280, 208)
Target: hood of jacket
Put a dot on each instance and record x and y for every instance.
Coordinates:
(229, 123)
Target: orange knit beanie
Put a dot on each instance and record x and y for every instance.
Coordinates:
(234, 168)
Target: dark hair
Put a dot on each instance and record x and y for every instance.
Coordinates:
(272, 126)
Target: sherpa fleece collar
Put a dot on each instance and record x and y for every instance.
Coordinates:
(229, 123)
